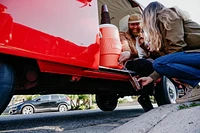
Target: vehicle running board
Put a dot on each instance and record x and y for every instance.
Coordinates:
(119, 71)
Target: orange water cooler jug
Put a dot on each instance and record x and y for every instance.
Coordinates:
(110, 46)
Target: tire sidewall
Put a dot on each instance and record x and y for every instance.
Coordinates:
(7, 81)
(162, 93)
(26, 107)
(101, 101)
(61, 106)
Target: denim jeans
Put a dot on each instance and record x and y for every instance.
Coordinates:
(184, 66)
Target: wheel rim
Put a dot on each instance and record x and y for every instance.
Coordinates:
(27, 110)
(62, 108)
(172, 93)
(109, 103)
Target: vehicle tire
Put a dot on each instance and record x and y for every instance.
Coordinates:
(62, 108)
(107, 102)
(165, 92)
(7, 82)
(27, 110)
(10, 112)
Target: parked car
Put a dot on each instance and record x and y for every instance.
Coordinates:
(43, 103)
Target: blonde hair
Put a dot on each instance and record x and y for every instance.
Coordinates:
(155, 12)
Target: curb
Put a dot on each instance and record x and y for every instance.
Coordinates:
(164, 119)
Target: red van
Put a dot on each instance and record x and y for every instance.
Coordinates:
(46, 45)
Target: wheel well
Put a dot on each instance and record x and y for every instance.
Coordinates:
(26, 70)
(19, 64)
(63, 104)
(18, 61)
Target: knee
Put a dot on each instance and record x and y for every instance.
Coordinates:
(159, 63)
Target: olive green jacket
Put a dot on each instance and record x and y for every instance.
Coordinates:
(183, 36)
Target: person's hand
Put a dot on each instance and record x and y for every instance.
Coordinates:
(141, 41)
(143, 45)
(145, 81)
(124, 56)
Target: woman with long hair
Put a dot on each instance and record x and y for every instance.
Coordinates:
(174, 43)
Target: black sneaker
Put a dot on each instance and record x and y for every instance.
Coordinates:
(145, 102)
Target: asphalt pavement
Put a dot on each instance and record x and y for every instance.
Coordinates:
(172, 118)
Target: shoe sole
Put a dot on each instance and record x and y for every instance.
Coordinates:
(194, 98)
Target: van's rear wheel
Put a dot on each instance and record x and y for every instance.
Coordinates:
(166, 92)
(107, 102)
(6, 85)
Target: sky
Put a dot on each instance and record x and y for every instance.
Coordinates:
(191, 6)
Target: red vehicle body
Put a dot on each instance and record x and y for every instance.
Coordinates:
(54, 47)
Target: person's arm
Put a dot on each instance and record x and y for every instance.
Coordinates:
(175, 37)
(124, 42)
(127, 51)
(143, 45)
(127, 44)
(155, 76)
(143, 81)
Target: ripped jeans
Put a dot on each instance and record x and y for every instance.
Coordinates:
(184, 66)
